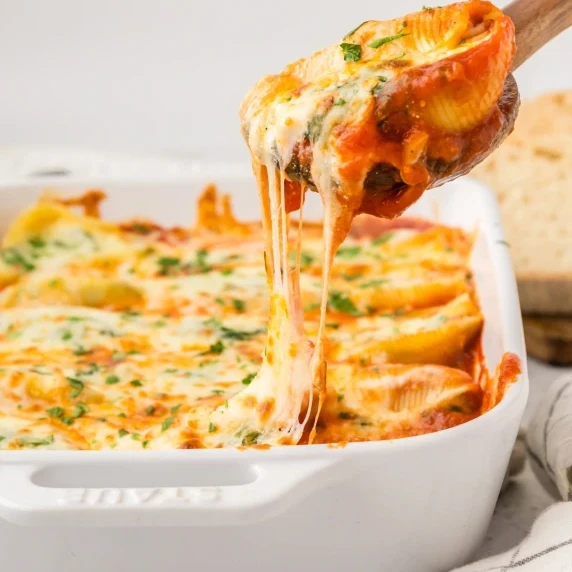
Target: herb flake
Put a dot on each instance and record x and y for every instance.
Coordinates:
(167, 423)
(352, 52)
(13, 257)
(381, 41)
(77, 386)
(248, 379)
(337, 301)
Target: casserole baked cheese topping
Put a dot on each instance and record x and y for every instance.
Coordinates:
(369, 123)
(135, 336)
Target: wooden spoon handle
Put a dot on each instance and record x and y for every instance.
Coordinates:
(536, 22)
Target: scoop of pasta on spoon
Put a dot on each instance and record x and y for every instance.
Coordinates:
(394, 108)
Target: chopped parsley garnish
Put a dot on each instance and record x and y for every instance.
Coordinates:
(246, 380)
(81, 351)
(239, 335)
(216, 348)
(123, 432)
(348, 251)
(381, 41)
(144, 444)
(150, 410)
(141, 228)
(37, 242)
(14, 258)
(111, 380)
(251, 438)
(311, 307)
(337, 301)
(80, 409)
(12, 333)
(382, 239)
(212, 427)
(217, 391)
(122, 415)
(167, 423)
(239, 305)
(226, 271)
(201, 260)
(56, 412)
(340, 102)
(37, 442)
(213, 323)
(118, 356)
(136, 383)
(371, 283)
(77, 386)
(306, 258)
(175, 408)
(62, 244)
(130, 314)
(351, 277)
(352, 52)
(166, 263)
(66, 335)
(93, 368)
(219, 301)
(2, 438)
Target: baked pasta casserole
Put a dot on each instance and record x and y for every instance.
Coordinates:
(137, 336)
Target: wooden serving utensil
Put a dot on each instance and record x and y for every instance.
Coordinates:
(536, 22)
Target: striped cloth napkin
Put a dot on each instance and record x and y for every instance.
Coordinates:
(548, 547)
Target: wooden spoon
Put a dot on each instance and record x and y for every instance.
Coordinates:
(536, 22)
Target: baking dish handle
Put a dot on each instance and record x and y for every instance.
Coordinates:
(276, 486)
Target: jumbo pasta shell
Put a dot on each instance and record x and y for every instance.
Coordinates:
(394, 108)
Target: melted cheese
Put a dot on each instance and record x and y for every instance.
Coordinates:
(133, 336)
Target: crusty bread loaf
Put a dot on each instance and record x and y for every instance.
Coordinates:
(549, 338)
(532, 175)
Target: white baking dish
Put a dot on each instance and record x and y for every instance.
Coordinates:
(420, 504)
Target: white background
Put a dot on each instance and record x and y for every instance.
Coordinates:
(166, 75)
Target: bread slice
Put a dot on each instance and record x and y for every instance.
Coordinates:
(549, 338)
(531, 173)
